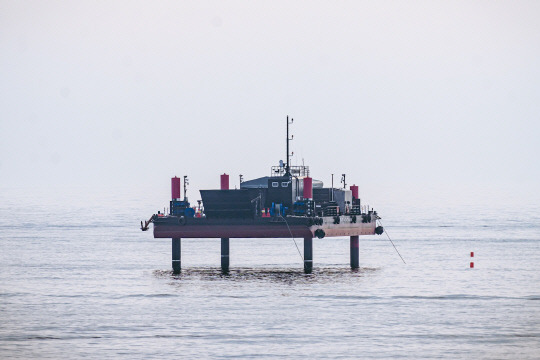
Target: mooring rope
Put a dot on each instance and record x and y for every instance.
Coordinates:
(386, 232)
(299, 253)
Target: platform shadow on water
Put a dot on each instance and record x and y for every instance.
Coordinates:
(281, 275)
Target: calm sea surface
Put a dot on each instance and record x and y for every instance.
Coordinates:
(79, 279)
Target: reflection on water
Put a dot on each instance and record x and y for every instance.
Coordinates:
(289, 276)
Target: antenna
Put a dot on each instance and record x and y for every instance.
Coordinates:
(332, 187)
(241, 178)
(287, 167)
(186, 183)
(343, 181)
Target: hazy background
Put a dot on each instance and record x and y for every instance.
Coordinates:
(414, 101)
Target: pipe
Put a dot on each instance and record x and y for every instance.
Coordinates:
(175, 188)
(224, 182)
(308, 188)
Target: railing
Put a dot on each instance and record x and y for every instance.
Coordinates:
(331, 211)
(298, 171)
(355, 210)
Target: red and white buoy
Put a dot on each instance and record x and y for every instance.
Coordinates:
(472, 262)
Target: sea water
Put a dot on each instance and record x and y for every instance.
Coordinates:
(79, 279)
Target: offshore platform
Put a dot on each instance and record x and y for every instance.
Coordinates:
(287, 203)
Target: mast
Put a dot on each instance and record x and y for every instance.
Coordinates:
(332, 199)
(287, 167)
(287, 156)
(186, 183)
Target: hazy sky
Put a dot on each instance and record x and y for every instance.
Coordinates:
(423, 96)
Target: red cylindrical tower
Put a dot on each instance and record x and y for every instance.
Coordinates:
(175, 187)
(308, 188)
(354, 189)
(224, 182)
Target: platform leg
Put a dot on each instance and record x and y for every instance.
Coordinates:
(225, 255)
(308, 255)
(176, 255)
(354, 252)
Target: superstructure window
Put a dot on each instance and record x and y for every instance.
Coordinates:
(285, 184)
(275, 184)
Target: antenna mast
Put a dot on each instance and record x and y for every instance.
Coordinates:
(186, 183)
(287, 167)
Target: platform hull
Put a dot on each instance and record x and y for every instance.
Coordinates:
(174, 227)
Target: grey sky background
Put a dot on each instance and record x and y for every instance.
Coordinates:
(412, 100)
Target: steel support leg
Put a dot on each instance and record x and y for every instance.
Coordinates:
(308, 255)
(176, 255)
(225, 255)
(354, 252)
